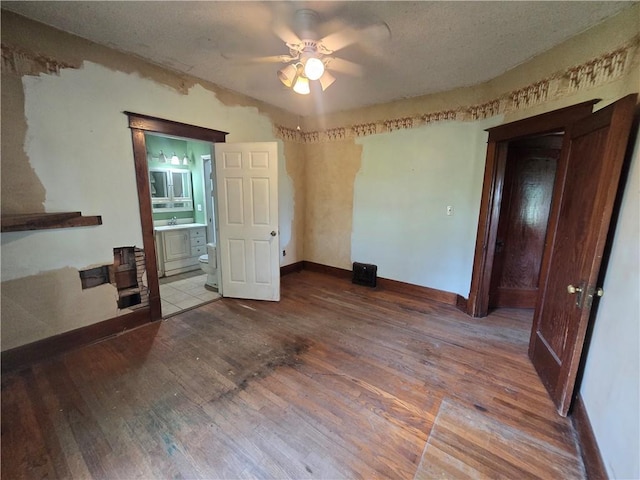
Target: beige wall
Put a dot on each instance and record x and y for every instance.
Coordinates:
(330, 175)
(408, 179)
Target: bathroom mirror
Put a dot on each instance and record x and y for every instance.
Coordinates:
(170, 190)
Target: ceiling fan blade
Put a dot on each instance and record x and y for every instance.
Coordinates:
(343, 66)
(343, 38)
(280, 21)
(269, 59)
(273, 59)
(375, 33)
(284, 32)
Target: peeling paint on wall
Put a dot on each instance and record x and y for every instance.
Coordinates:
(21, 190)
(80, 148)
(21, 62)
(329, 188)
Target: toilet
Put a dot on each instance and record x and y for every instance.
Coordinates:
(209, 265)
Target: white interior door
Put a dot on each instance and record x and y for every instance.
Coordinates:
(247, 184)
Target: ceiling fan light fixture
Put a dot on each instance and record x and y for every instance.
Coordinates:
(302, 86)
(326, 80)
(288, 74)
(313, 68)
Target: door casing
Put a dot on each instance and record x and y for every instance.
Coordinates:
(477, 304)
(139, 125)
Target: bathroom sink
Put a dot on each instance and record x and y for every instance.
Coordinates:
(165, 228)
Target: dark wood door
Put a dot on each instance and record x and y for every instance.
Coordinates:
(500, 138)
(588, 177)
(526, 201)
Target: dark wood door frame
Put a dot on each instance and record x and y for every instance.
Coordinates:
(477, 304)
(139, 125)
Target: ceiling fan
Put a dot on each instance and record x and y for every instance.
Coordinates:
(311, 59)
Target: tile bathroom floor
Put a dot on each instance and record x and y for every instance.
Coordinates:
(184, 291)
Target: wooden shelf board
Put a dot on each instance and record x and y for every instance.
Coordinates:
(43, 221)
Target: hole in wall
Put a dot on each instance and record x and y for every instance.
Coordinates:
(128, 272)
(94, 276)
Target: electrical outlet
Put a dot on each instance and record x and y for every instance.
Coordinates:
(449, 210)
(284, 253)
(199, 207)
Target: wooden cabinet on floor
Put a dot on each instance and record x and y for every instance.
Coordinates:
(178, 249)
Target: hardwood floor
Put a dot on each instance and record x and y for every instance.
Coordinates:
(334, 381)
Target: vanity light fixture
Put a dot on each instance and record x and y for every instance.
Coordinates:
(173, 160)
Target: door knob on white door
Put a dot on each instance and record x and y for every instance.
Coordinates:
(273, 233)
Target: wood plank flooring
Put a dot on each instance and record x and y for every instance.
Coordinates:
(334, 381)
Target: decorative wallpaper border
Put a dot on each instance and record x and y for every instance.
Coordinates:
(601, 70)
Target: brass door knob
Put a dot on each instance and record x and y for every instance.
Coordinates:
(572, 290)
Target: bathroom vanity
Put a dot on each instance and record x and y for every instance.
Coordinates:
(178, 247)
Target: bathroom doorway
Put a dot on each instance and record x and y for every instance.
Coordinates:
(140, 125)
(183, 212)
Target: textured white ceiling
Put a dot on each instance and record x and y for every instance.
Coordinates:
(433, 46)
